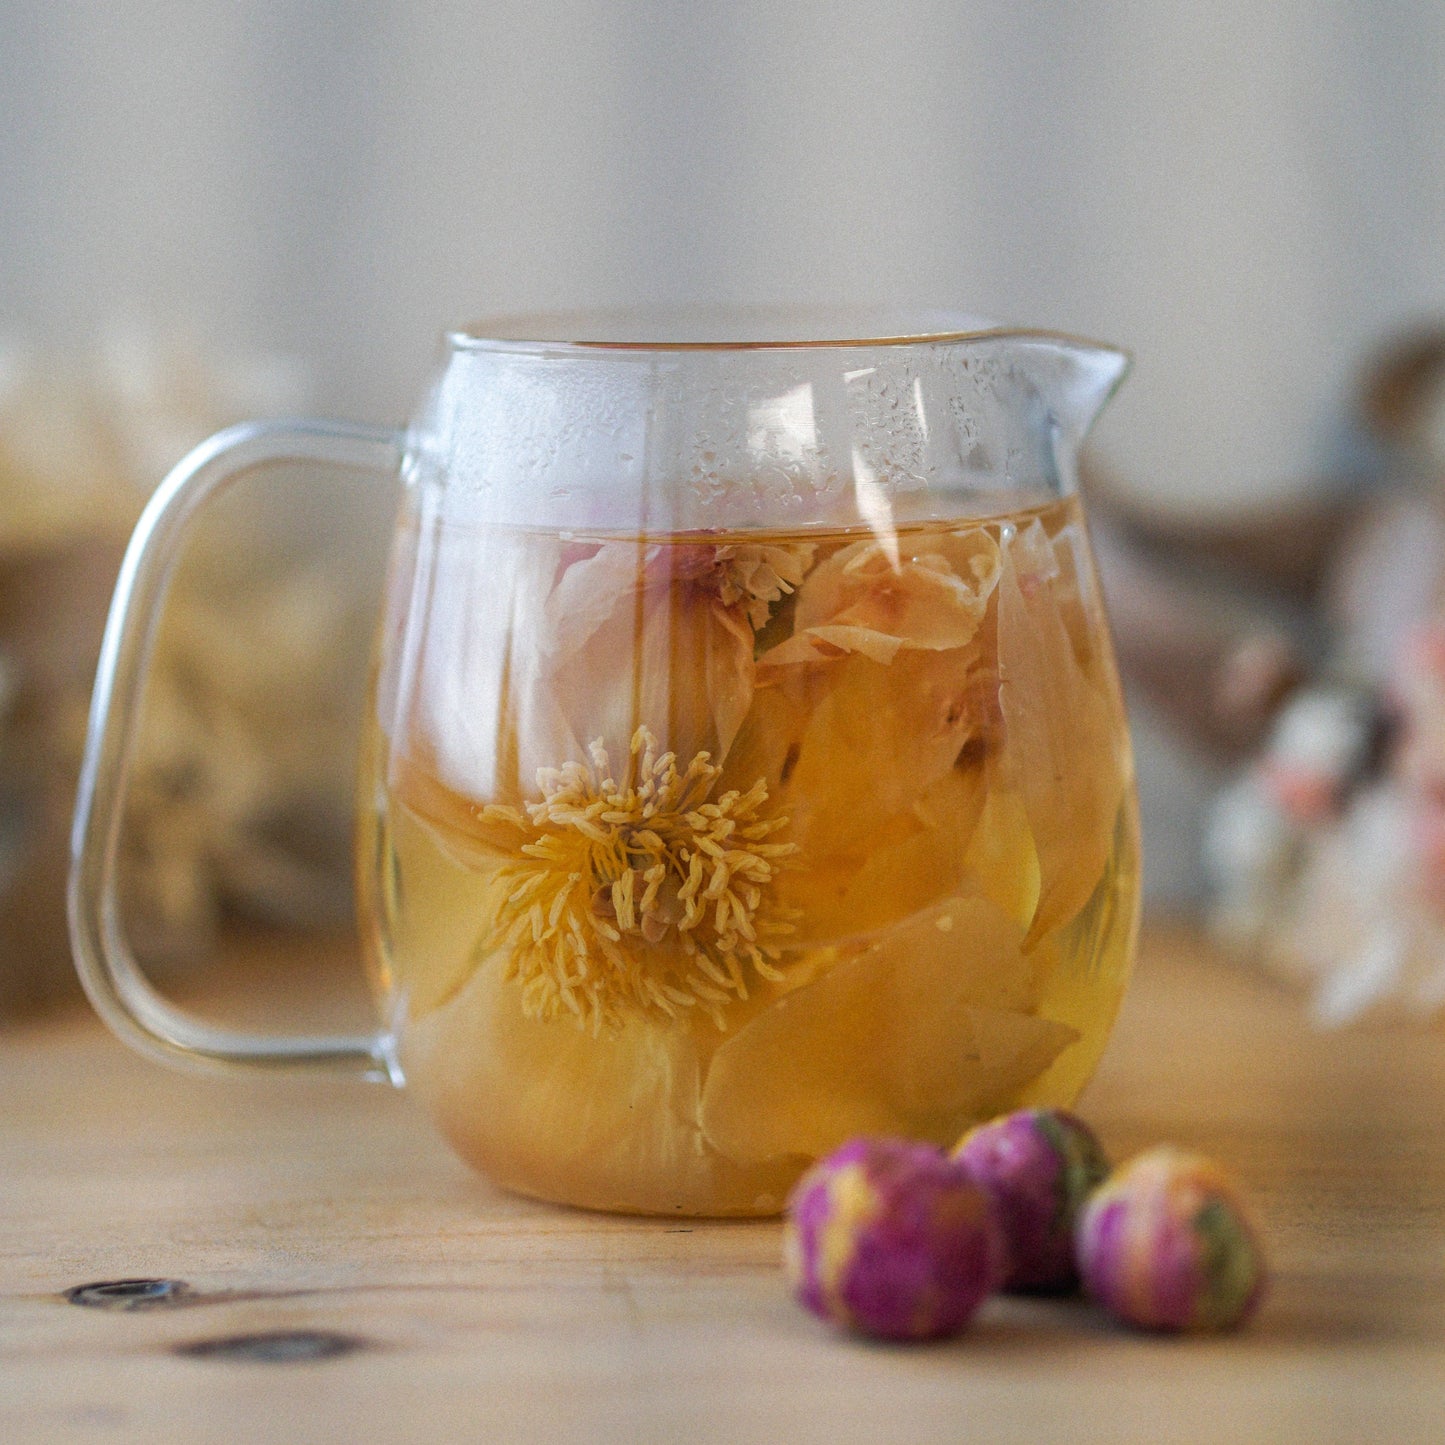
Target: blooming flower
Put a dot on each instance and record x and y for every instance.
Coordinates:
(753, 577)
(643, 894)
(864, 600)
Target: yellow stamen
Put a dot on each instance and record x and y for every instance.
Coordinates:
(602, 907)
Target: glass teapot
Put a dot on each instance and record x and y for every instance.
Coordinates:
(745, 765)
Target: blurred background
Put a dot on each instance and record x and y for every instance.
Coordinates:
(210, 210)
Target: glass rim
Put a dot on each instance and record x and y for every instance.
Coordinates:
(567, 331)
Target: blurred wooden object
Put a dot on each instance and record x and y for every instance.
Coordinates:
(349, 1279)
(242, 779)
(52, 603)
(1219, 617)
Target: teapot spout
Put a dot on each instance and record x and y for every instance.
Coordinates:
(1075, 379)
(1061, 385)
(1100, 371)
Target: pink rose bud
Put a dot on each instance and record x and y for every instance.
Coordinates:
(1038, 1166)
(1166, 1243)
(892, 1239)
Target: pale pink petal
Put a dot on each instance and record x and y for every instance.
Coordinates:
(549, 1109)
(474, 687)
(921, 1030)
(861, 757)
(591, 589)
(918, 857)
(829, 642)
(636, 636)
(1065, 746)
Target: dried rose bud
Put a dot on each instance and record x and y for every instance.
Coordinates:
(1166, 1244)
(892, 1239)
(1038, 1166)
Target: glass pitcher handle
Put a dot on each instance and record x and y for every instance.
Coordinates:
(113, 980)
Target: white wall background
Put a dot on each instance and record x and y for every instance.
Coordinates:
(1247, 194)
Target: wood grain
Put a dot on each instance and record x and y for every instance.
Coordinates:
(397, 1297)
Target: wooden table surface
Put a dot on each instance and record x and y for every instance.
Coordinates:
(348, 1280)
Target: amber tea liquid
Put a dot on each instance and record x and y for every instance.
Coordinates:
(686, 858)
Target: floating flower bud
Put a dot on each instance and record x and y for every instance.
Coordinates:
(1166, 1244)
(892, 1239)
(868, 600)
(1038, 1166)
